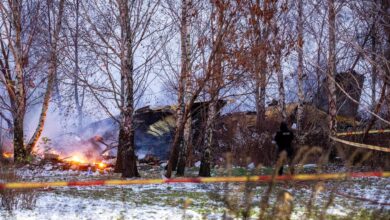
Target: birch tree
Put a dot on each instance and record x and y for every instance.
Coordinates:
(260, 52)
(20, 29)
(259, 24)
(125, 39)
(217, 21)
(186, 93)
(78, 95)
(184, 89)
(224, 16)
(300, 66)
(331, 68)
(282, 41)
(383, 9)
(52, 72)
(12, 45)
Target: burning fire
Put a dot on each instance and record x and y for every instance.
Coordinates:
(78, 154)
(8, 155)
(101, 165)
(81, 161)
(77, 160)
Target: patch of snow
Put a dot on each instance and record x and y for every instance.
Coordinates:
(61, 204)
(251, 166)
(294, 126)
(307, 166)
(337, 210)
(48, 167)
(163, 165)
(58, 207)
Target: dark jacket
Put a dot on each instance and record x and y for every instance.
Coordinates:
(283, 139)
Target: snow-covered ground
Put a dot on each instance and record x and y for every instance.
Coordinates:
(196, 201)
(60, 207)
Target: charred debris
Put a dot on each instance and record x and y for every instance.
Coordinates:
(235, 132)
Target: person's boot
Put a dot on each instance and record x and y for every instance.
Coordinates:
(280, 171)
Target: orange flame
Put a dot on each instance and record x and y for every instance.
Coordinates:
(101, 165)
(8, 155)
(76, 159)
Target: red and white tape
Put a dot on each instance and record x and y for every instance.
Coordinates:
(266, 178)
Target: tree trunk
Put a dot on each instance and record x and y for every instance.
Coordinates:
(180, 157)
(205, 165)
(388, 103)
(212, 112)
(301, 96)
(374, 71)
(178, 149)
(260, 70)
(20, 153)
(186, 143)
(282, 94)
(45, 105)
(18, 103)
(126, 140)
(51, 77)
(386, 65)
(1, 133)
(119, 156)
(188, 138)
(332, 70)
(175, 148)
(185, 71)
(214, 89)
(376, 111)
(385, 24)
(78, 102)
(260, 92)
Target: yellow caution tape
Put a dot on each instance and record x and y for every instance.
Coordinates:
(359, 145)
(362, 132)
(266, 178)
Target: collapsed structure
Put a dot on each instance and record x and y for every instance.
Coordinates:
(154, 129)
(348, 92)
(234, 132)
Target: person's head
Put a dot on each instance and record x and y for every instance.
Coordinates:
(283, 126)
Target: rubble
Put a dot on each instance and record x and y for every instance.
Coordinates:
(352, 83)
(150, 159)
(51, 157)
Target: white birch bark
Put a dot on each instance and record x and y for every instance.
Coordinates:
(332, 68)
(127, 130)
(301, 96)
(51, 77)
(186, 96)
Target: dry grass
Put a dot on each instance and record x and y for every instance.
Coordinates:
(13, 199)
(277, 203)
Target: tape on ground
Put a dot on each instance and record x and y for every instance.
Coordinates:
(359, 145)
(298, 177)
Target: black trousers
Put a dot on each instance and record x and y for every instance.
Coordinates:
(289, 158)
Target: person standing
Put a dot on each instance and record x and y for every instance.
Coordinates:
(283, 139)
